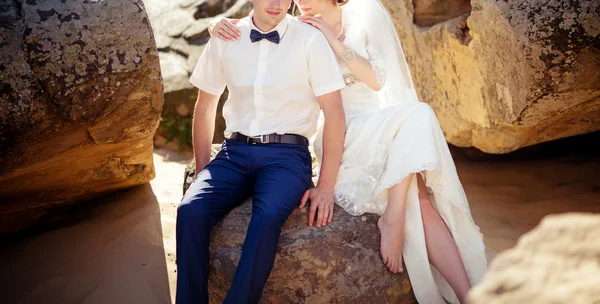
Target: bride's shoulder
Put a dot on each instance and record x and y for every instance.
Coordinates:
(363, 10)
(352, 6)
(355, 15)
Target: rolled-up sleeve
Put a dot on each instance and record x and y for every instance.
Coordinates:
(323, 69)
(208, 74)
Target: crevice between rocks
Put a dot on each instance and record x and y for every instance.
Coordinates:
(174, 50)
(453, 13)
(431, 12)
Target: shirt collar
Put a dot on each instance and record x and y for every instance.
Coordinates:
(280, 28)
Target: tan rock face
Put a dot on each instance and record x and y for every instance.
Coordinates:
(505, 75)
(80, 98)
(339, 263)
(557, 262)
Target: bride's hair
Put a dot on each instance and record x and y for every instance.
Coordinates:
(295, 12)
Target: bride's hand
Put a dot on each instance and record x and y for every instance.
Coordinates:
(224, 29)
(320, 24)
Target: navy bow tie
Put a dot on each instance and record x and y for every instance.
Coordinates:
(258, 36)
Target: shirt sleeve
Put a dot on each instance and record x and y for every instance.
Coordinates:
(323, 70)
(208, 74)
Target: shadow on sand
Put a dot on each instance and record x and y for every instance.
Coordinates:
(111, 251)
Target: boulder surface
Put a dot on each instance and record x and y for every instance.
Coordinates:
(557, 262)
(502, 75)
(80, 100)
(338, 263)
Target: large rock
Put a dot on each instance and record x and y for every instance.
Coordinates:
(502, 75)
(80, 99)
(557, 262)
(339, 263)
(181, 30)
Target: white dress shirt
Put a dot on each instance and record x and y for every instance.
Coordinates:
(272, 87)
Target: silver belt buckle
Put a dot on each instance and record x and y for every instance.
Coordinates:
(264, 139)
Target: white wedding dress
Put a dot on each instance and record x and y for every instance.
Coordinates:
(383, 145)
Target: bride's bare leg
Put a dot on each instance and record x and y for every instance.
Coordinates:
(391, 225)
(441, 248)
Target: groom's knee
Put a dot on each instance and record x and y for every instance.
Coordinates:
(189, 211)
(270, 218)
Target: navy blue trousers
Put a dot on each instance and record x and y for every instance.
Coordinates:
(275, 176)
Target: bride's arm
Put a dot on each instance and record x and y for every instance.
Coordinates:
(367, 70)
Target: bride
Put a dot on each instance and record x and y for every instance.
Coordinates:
(396, 161)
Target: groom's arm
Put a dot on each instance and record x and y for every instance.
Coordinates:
(326, 81)
(203, 127)
(334, 132)
(209, 78)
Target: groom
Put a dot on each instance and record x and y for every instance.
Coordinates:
(280, 74)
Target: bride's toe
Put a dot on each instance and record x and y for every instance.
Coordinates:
(391, 264)
(385, 258)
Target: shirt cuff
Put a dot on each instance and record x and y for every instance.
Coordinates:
(207, 88)
(338, 85)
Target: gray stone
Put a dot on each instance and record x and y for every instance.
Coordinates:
(80, 99)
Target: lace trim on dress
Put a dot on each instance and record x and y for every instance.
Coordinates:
(377, 62)
(433, 182)
(345, 200)
(366, 182)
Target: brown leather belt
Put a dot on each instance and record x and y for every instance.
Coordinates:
(291, 139)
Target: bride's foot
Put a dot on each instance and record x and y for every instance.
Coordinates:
(391, 243)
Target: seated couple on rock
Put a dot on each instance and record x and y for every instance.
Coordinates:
(380, 149)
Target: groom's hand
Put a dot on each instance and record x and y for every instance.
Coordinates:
(321, 205)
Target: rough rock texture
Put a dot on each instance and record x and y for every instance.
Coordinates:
(339, 263)
(181, 30)
(505, 74)
(557, 262)
(80, 99)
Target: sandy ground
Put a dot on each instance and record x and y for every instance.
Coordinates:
(122, 250)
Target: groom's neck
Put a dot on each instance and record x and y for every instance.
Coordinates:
(262, 26)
